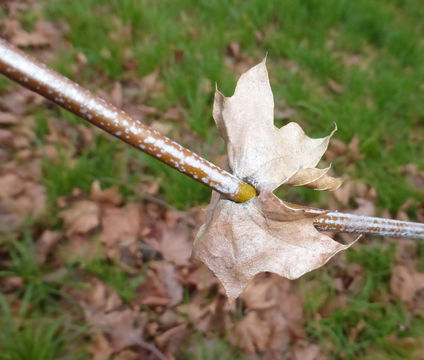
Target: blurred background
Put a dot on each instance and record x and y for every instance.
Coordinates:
(95, 237)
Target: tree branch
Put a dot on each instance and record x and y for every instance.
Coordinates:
(25, 70)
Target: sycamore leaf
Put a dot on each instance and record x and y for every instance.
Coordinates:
(239, 241)
(251, 333)
(259, 152)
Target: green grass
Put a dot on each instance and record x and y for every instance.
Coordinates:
(178, 189)
(370, 322)
(36, 327)
(98, 162)
(35, 336)
(380, 103)
(124, 284)
(24, 265)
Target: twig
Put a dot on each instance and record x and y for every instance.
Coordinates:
(28, 72)
(335, 221)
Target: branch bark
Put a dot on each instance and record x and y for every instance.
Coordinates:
(340, 222)
(30, 73)
(23, 69)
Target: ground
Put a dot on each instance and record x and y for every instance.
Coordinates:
(95, 237)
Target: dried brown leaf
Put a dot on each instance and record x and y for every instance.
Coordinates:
(11, 283)
(198, 276)
(105, 312)
(7, 118)
(116, 95)
(258, 151)
(162, 287)
(173, 113)
(10, 185)
(239, 241)
(201, 315)
(256, 296)
(110, 195)
(101, 349)
(121, 225)
(174, 245)
(406, 283)
(171, 340)
(82, 217)
(365, 207)
(45, 244)
(250, 334)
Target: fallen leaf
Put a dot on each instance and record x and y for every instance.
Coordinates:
(162, 287)
(413, 175)
(173, 113)
(101, 349)
(6, 138)
(280, 337)
(406, 282)
(121, 230)
(284, 318)
(104, 310)
(171, 340)
(48, 31)
(167, 276)
(35, 197)
(77, 247)
(82, 217)
(133, 354)
(116, 95)
(257, 294)
(149, 84)
(7, 118)
(198, 276)
(239, 241)
(365, 207)
(354, 144)
(11, 283)
(121, 225)
(251, 333)
(110, 195)
(19, 197)
(87, 135)
(8, 219)
(292, 310)
(161, 127)
(20, 37)
(199, 314)
(344, 194)
(174, 244)
(45, 244)
(10, 185)
(233, 49)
